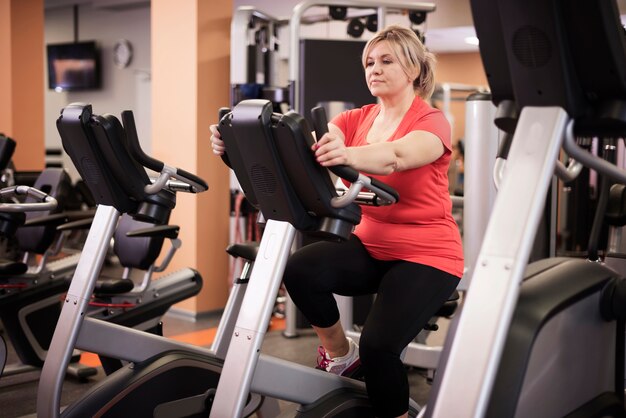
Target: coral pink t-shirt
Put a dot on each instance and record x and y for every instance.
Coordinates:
(420, 227)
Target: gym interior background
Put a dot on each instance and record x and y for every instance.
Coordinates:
(175, 82)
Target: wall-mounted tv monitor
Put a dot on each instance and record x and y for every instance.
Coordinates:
(73, 66)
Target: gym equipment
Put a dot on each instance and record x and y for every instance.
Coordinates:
(144, 388)
(551, 340)
(255, 38)
(30, 314)
(99, 146)
(12, 216)
(39, 239)
(134, 298)
(304, 98)
(302, 197)
(31, 290)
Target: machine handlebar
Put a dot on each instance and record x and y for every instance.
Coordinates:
(385, 194)
(44, 200)
(196, 184)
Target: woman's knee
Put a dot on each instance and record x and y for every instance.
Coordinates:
(299, 274)
(289, 275)
(374, 348)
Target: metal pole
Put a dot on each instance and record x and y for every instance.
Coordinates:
(479, 191)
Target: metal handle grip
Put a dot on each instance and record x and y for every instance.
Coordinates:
(387, 193)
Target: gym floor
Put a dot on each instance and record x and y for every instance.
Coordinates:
(18, 394)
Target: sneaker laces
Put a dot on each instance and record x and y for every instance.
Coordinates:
(323, 360)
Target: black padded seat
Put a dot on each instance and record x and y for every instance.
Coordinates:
(450, 306)
(37, 239)
(135, 252)
(12, 268)
(10, 222)
(111, 287)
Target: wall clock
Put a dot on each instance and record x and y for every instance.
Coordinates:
(122, 53)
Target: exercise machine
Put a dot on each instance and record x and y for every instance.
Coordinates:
(31, 289)
(31, 307)
(25, 337)
(135, 298)
(97, 145)
(144, 388)
(302, 197)
(551, 340)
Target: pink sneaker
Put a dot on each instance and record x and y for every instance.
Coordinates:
(342, 366)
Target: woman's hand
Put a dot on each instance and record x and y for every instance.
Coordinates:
(216, 141)
(330, 150)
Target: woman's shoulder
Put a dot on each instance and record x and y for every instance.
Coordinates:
(363, 110)
(423, 108)
(357, 115)
(427, 118)
(369, 107)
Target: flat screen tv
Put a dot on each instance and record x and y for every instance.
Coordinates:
(73, 66)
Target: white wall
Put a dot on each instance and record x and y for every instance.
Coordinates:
(122, 89)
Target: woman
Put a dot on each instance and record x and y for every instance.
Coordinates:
(408, 254)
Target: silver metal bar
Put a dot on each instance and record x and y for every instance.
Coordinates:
(229, 316)
(239, 36)
(291, 320)
(350, 195)
(345, 306)
(74, 309)
(498, 171)
(481, 147)
(296, 20)
(176, 243)
(253, 320)
(381, 15)
(294, 382)
(570, 172)
(45, 202)
(590, 160)
(128, 344)
(273, 377)
(159, 183)
(291, 311)
(457, 201)
(473, 355)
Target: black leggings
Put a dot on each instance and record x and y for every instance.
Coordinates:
(408, 295)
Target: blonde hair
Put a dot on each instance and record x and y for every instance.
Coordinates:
(411, 54)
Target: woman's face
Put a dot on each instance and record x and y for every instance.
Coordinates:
(383, 73)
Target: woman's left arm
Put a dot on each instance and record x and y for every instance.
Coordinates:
(413, 150)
